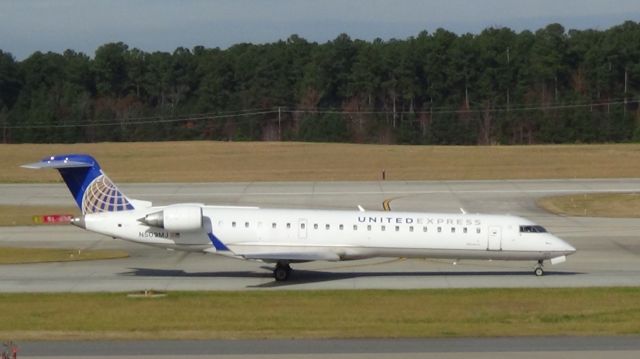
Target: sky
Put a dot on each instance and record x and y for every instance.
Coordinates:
(27, 26)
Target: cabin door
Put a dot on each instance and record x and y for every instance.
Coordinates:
(495, 239)
(302, 228)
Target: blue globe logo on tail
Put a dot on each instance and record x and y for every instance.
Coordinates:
(103, 196)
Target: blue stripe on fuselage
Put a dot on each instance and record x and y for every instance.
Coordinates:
(219, 246)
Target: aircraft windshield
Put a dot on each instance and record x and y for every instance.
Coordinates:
(532, 229)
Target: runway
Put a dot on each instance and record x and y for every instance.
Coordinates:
(608, 249)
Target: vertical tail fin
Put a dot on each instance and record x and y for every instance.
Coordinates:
(92, 190)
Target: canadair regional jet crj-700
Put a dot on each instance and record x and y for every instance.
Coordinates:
(285, 236)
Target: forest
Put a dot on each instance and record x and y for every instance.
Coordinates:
(551, 85)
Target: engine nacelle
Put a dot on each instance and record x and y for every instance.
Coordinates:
(177, 218)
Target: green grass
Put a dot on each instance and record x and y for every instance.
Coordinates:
(323, 314)
(14, 255)
(614, 205)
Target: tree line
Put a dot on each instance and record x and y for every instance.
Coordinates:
(496, 87)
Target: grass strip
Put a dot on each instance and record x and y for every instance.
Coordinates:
(210, 161)
(14, 255)
(322, 314)
(613, 205)
(19, 215)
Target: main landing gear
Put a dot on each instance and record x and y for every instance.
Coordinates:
(282, 271)
(539, 272)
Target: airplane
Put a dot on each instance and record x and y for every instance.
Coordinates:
(286, 236)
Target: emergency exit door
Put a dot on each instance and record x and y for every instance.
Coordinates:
(302, 228)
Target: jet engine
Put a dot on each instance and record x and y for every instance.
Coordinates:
(176, 218)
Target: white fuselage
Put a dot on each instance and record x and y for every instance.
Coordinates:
(305, 235)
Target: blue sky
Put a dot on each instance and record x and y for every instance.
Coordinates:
(27, 26)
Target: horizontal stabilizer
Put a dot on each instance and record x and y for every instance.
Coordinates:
(57, 164)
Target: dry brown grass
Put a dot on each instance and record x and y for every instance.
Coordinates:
(206, 161)
(616, 205)
(323, 314)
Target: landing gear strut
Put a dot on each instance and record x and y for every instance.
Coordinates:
(539, 272)
(282, 271)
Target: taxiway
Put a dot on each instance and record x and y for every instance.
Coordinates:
(608, 249)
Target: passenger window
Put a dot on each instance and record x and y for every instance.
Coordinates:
(383, 228)
(424, 229)
(233, 224)
(410, 228)
(464, 230)
(273, 225)
(453, 229)
(397, 228)
(341, 227)
(246, 224)
(478, 230)
(439, 229)
(327, 226)
(355, 227)
(315, 226)
(301, 225)
(368, 227)
(288, 225)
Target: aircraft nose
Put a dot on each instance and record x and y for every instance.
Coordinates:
(566, 247)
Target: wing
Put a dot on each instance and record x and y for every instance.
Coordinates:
(274, 252)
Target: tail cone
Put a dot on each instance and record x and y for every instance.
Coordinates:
(79, 222)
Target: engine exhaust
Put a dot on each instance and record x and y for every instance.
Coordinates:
(155, 219)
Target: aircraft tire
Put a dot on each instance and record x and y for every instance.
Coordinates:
(539, 272)
(281, 273)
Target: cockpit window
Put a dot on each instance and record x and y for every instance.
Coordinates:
(532, 229)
